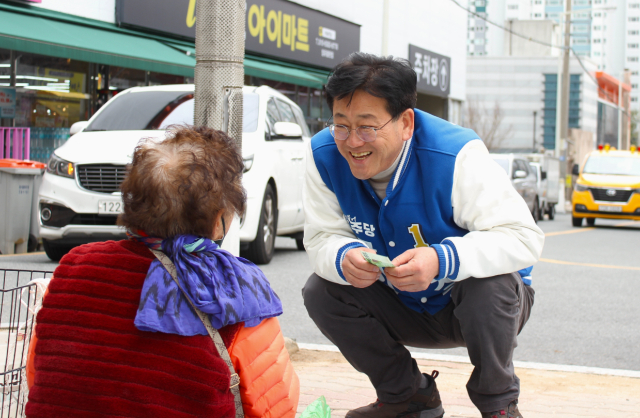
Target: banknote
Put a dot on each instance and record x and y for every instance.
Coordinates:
(377, 260)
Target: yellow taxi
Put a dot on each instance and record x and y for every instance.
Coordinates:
(608, 186)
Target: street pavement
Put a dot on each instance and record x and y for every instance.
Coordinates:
(543, 393)
(586, 311)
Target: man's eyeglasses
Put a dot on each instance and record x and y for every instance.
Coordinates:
(365, 133)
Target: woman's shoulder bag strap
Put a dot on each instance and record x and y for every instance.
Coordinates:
(234, 385)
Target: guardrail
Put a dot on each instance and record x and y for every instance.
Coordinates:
(15, 143)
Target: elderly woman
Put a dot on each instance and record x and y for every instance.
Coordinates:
(120, 334)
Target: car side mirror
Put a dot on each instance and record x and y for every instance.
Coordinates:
(78, 126)
(543, 175)
(575, 170)
(287, 130)
(519, 174)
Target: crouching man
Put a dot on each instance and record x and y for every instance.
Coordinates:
(388, 178)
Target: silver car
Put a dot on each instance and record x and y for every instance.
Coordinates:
(524, 179)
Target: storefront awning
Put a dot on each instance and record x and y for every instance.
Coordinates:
(44, 32)
(274, 70)
(36, 32)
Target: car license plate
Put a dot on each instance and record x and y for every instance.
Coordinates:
(610, 208)
(110, 207)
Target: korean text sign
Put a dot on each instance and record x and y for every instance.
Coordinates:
(287, 30)
(433, 70)
(276, 28)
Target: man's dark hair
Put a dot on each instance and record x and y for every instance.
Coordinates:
(389, 78)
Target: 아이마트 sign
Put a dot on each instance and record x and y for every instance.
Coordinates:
(287, 30)
(274, 28)
(433, 70)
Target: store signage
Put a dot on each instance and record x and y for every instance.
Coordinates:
(287, 30)
(433, 70)
(275, 28)
(7, 102)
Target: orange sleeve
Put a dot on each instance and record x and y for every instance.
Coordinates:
(30, 368)
(269, 386)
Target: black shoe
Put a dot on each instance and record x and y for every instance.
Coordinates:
(510, 412)
(425, 403)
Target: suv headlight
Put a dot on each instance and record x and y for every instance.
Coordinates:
(581, 187)
(60, 167)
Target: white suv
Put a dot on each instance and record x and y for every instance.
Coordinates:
(80, 197)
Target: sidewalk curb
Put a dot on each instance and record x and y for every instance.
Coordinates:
(519, 364)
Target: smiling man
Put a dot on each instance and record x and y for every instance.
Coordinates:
(388, 178)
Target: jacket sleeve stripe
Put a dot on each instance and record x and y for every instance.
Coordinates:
(442, 259)
(456, 261)
(342, 252)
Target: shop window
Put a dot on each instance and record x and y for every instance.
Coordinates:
(54, 93)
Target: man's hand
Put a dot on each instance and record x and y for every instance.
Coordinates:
(357, 270)
(415, 269)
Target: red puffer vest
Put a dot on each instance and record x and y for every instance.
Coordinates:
(91, 360)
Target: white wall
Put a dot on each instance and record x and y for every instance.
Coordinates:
(517, 84)
(437, 25)
(497, 13)
(93, 9)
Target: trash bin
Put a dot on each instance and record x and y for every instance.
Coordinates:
(17, 179)
(34, 227)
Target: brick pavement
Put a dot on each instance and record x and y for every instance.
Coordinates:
(544, 393)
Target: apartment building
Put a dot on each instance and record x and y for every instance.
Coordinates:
(606, 31)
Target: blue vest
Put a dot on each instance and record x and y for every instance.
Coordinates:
(418, 212)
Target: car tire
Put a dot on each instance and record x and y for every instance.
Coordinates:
(54, 250)
(591, 221)
(551, 211)
(576, 221)
(300, 244)
(536, 211)
(32, 244)
(540, 210)
(261, 250)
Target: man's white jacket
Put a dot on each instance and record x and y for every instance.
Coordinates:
(447, 192)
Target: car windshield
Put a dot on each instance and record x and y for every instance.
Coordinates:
(154, 110)
(504, 163)
(619, 166)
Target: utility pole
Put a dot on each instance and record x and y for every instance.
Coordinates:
(385, 28)
(219, 76)
(535, 114)
(13, 62)
(562, 103)
(620, 81)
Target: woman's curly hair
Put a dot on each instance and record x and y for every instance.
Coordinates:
(179, 185)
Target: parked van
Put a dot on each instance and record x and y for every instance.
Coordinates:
(80, 194)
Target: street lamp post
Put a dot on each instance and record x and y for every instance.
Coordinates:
(620, 110)
(562, 99)
(535, 114)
